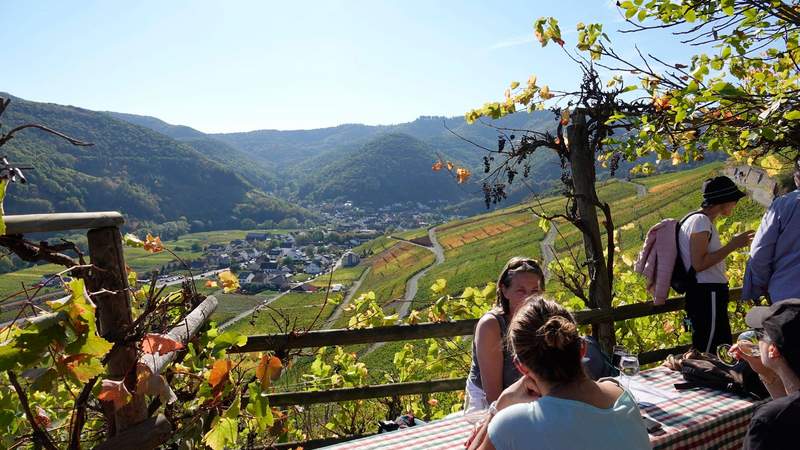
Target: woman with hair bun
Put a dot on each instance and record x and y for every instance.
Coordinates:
(492, 368)
(555, 405)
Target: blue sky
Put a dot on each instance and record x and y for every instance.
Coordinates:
(242, 65)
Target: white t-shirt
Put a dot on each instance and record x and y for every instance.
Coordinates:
(699, 223)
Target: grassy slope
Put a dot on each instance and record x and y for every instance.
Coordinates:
(477, 248)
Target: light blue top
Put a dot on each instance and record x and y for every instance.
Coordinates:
(774, 265)
(558, 424)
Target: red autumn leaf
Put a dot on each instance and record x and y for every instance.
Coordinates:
(219, 373)
(269, 369)
(437, 166)
(159, 343)
(116, 392)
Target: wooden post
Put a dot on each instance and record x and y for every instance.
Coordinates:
(582, 160)
(114, 319)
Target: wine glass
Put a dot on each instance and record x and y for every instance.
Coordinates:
(629, 367)
(616, 355)
(747, 343)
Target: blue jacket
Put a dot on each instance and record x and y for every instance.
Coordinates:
(774, 266)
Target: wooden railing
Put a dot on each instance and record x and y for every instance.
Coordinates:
(133, 427)
(320, 338)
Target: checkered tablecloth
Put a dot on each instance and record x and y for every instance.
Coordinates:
(697, 419)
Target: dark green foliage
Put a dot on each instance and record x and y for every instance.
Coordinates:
(149, 177)
(257, 172)
(392, 168)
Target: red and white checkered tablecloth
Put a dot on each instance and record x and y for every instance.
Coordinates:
(697, 419)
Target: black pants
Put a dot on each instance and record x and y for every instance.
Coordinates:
(707, 310)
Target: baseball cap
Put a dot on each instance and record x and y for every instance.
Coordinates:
(720, 190)
(781, 322)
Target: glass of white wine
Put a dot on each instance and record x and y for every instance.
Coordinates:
(629, 367)
(747, 343)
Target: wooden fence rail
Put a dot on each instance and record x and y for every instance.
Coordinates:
(279, 342)
(319, 338)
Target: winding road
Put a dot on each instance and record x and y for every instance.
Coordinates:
(412, 285)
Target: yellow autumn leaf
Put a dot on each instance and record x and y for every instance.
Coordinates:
(772, 165)
(230, 282)
(545, 93)
(462, 175)
(153, 244)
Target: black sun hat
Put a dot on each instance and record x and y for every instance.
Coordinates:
(781, 322)
(720, 190)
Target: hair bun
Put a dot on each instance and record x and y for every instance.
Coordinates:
(558, 332)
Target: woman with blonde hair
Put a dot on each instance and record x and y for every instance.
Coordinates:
(492, 368)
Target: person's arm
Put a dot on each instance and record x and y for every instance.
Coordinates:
(523, 390)
(759, 268)
(490, 356)
(487, 445)
(702, 259)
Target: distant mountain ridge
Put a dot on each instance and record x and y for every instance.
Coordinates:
(299, 156)
(149, 176)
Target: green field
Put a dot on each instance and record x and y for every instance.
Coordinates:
(293, 311)
(231, 305)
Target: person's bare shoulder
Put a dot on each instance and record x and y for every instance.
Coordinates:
(488, 325)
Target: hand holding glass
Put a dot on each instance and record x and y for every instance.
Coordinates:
(747, 343)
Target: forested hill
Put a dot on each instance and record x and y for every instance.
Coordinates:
(293, 148)
(148, 176)
(257, 172)
(391, 168)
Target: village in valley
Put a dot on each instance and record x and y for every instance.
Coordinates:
(284, 260)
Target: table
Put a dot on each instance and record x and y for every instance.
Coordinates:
(697, 418)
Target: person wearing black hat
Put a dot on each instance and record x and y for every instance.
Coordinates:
(774, 425)
(701, 249)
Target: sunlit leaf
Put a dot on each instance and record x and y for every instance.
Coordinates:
(219, 372)
(230, 282)
(159, 343)
(131, 240)
(439, 285)
(154, 385)
(116, 392)
(153, 244)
